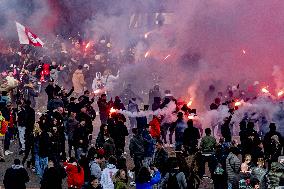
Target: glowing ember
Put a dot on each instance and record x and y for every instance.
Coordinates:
(244, 52)
(189, 103)
(112, 110)
(88, 45)
(190, 117)
(238, 103)
(97, 91)
(264, 90)
(167, 57)
(280, 93)
(147, 54)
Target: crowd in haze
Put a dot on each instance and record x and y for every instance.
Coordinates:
(56, 137)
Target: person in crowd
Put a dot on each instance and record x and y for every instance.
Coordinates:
(179, 126)
(144, 180)
(121, 180)
(78, 80)
(71, 125)
(133, 107)
(108, 173)
(155, 127)
(103, 108)
(174, 178)
(52, 176)
(160, 157)
(232, 167)
(30, 94)
(95, 166)
(208, 145)
(136, 148)
(52, 89)
(190, 137)
(154, 93)
(244, 177)
(16, 176)
(29, 123)
(80, 139)
(94, 183)
(121, 132)
(259, 172)
(75, 174)
(117, 104)
(251, 139)
(149, 147)
(275, 175)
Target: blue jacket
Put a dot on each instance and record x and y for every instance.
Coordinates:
(149, 144)
(155, 180)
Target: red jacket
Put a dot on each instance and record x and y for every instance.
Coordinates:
(155, 128)
(75, 179)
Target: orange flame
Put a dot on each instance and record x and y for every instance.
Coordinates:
(264, 90)
(190, 116)
(97, 91)
(147, 54)
(280, 93)
(112, 110)
(189, 103)
(238, 103)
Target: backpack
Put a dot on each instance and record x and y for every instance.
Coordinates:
(79, 181)
(172, 181)
(4, 127)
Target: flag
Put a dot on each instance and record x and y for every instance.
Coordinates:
(27, 37)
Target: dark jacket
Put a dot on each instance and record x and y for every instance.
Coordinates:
(88, 121)
(16, 177)
(29, 118)
(54, 104)
(121, 132)
(52, 178)
(160, 159)
(81, 133)
(30, 94)
(44, 144)
(149, 144)
(71, 126)
(136, 146)
(191, 136)
(180, 176)
(51, 90)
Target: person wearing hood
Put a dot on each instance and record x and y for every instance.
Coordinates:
(133, 107)
(275, 175)
(175, 176)
(52, 176)
(121, 180)
(16, 176)
(78, 80)
(108, 173)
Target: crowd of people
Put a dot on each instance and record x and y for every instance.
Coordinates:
(166, 153)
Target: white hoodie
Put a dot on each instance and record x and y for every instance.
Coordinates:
(107, 175)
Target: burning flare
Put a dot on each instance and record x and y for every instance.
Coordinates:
(112, 110)
(280, 93)
(189, 103)
(147, 34)
(244, 52)
(265, 90)
(88, 45)
(97, 91)
(190, 116)
(238, 103)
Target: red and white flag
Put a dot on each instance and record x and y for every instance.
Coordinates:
(27, 37)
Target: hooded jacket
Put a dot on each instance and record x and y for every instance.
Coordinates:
(74, 178)
(16, 177)
(107, 175)
(182, 184)
(78, 81)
